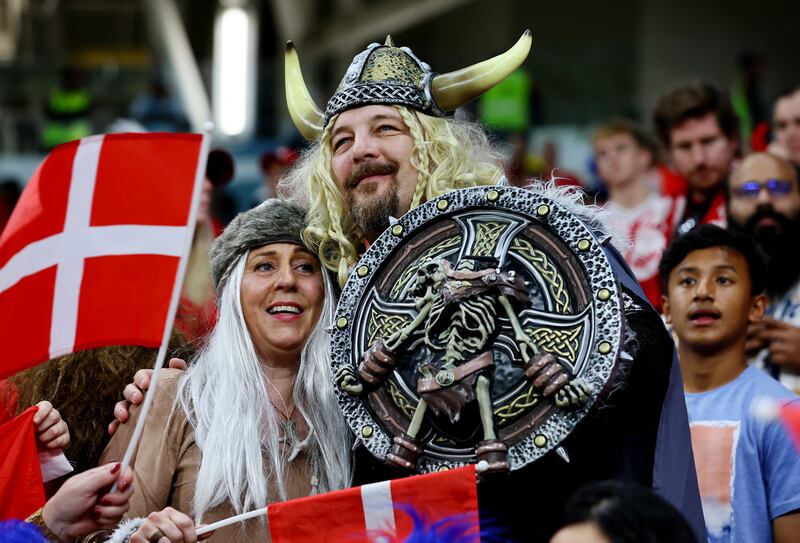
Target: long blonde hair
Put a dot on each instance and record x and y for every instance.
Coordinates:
(447, 154)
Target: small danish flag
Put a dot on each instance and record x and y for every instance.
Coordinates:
(379, 511)
(91, 253)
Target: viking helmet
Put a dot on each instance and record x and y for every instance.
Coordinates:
(385, 74)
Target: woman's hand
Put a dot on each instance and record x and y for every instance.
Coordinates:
(82, 506)
(51, 430)
(134, 394)
(171, 525)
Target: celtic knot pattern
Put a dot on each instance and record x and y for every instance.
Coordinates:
(517, 406)
(486, 237)
(549, 273)
(384, 92)
(412, 269)
(562, 342)
(383, 325)
(400, 400)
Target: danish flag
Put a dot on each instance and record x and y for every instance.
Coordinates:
(375, 512)
(90, 254)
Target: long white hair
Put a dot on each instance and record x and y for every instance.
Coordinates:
(224, 396)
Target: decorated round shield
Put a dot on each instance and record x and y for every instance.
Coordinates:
(482, 325)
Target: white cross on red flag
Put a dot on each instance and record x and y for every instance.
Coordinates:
(90, 255)
(374, 512)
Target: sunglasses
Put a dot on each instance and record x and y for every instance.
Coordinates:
(775, 187)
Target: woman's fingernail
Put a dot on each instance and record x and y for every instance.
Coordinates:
(115, 468)
(95, 514)
(123, 486)
(105, 501)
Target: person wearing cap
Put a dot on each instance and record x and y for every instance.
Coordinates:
(254, 419)
(197, 308)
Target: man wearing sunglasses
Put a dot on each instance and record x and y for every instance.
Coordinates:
(764, 202)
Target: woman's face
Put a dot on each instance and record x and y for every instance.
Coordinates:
(282, 295)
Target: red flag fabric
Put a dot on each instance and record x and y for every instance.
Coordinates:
(90, 254)
(790, 415)
(353, 514)
(21, 486)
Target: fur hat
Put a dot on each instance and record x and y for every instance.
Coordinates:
(272, 221)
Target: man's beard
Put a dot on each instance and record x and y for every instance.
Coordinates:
(371, 214)
(777, 242)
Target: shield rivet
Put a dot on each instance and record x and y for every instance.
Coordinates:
(542, 210)
(341, 323)
(540, 440)
(604, 347)
(584, 244)
(397, 230)
(442, 204)
(445, 378)
(492, 195)
(367, 431)
(604, 294)
(362, 271)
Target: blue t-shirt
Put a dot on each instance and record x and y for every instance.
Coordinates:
(748, 469)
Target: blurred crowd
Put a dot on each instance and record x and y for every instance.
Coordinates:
(713, 158)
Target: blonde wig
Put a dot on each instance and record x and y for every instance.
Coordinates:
(447, 154)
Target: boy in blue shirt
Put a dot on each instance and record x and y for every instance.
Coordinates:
(748, 469)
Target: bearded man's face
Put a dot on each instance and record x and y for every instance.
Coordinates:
(763, 199)
(764, 202)
(372, 149)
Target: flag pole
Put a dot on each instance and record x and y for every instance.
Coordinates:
(480, 467)
(231, 520)
(173, 303)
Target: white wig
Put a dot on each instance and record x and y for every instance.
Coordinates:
(224, 396)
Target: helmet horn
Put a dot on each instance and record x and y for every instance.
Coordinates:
(454, 89)
(307, 117)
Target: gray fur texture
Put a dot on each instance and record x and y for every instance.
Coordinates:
(272, 221)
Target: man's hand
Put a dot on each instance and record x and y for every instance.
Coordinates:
(783, 342)
(51, 430)
(80, 505)
(134, 394)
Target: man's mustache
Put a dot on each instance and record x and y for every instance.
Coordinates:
(368, 169)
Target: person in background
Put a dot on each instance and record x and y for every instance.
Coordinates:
(84, 385)
(786, 127)
(764, 202)
(67, 110)
(619, 512)
(748, 469)
(699, 128)
(274, 164)
(197, 310)
(645, 212)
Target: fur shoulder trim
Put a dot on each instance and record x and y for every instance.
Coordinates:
(572, 198)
